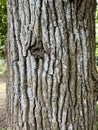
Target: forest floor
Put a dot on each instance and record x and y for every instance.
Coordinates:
(2, 103)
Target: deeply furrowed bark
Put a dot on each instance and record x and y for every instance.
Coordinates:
(49, 48)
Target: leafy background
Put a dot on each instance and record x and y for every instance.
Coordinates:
(3, 26)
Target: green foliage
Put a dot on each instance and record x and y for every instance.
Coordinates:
(96, 125)
(3, 25)
(97, 109)
(3, 129)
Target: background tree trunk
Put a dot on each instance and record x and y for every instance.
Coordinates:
(50, 48)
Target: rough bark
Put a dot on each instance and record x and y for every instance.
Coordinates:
(50, 54)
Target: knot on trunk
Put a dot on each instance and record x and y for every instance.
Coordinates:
(37, 50)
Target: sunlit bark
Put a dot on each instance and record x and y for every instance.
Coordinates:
(49, 56)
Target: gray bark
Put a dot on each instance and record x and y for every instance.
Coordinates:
(50, 54)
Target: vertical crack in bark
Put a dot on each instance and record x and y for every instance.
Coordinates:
(72, 68)
(76, 76)
(39, 92)
(83, 110)
(35, 122)
(83, 82)
(28, 1)
(26, 95)
(36, 83)
(26, 12)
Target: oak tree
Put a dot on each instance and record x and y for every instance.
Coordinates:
(51, 64)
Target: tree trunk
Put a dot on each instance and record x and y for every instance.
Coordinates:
(50, 55)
